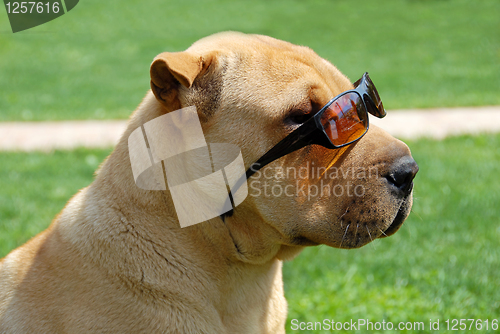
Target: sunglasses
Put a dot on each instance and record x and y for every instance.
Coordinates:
(341, 122)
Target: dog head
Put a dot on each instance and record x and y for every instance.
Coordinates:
(252, 91)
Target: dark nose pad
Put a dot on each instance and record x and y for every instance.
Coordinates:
(402, 174)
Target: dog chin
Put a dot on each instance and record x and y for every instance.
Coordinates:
(362, 237)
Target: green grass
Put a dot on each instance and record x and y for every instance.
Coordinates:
(442, 264)
(93, 62)
(34, 187)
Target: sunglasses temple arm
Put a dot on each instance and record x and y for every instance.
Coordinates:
(293, 142)
(281, 149)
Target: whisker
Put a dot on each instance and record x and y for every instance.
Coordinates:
(369, 233)
(417, 214)
(342, 225)
(371, 239)
(382, 231)
(342, 241)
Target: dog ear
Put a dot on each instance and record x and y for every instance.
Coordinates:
(168, 70)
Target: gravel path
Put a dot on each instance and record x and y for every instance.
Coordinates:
(404, 124)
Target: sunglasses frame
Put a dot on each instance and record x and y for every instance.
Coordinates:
(312, 131)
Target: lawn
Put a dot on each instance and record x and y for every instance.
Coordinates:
(442, 264)
(93, 62)
(34, 187)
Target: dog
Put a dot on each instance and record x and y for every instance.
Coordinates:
(115, 260)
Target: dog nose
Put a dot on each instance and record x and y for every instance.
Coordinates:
(402, 174)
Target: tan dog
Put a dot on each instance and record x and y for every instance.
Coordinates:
(115, 259)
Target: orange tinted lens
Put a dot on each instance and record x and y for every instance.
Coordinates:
(345, 120)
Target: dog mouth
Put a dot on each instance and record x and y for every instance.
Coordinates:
(403, 212)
